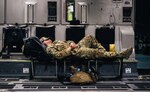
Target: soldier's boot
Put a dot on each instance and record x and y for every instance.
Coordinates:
(126, 54)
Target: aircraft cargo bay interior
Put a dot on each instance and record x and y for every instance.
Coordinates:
(74, 45)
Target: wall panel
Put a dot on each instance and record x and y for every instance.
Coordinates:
(41, 13)
(1, 11)
(15, 11)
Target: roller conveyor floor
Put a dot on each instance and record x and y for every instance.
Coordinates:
(26, 85)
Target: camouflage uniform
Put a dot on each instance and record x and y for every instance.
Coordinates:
(59, 49)
(90, 48)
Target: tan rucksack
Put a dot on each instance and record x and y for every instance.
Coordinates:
(81, 78)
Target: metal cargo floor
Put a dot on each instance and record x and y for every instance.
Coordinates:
(24, 85)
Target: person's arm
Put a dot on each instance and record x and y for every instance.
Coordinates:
(99, 46)
(58, 54)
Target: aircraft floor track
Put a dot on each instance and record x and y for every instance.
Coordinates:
(25, 85)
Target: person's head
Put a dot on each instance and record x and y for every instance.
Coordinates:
(46, 41)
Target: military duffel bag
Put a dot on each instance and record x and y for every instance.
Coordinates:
(81, 78)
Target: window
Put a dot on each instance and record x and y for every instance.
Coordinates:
(70, 10)
(127, 14)
(52, 11)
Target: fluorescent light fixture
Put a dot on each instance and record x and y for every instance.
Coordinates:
(30, 1)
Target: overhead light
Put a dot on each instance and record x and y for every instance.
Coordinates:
(82, 3)
(30, 10)
(30, 1)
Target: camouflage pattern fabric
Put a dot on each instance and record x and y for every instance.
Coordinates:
(88, 48)
(59, 49)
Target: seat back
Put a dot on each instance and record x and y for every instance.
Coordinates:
(13, 38)
(75, 33)
(106, 36)
(46, 32)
